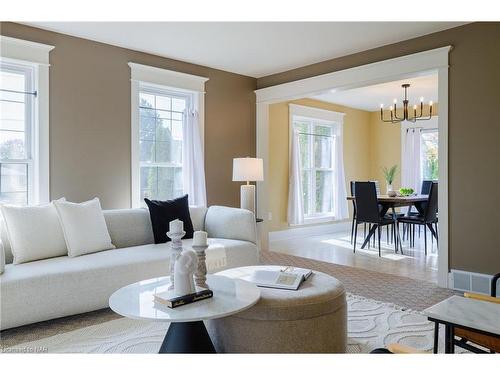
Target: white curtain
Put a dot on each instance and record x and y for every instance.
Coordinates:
(411, 175)
(193, 162)
(340, 210)
(295, 197)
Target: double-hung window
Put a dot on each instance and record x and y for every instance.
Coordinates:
(16, 132)
(162, 119)
(317, 181)
(167, 135)
(24, 121)
(316, 142)
(429, 154)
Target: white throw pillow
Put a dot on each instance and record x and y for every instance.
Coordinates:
(34, 232)
(84, 227)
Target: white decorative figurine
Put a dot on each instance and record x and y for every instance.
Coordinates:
(185, 266)
(200, 245)
(175, 233)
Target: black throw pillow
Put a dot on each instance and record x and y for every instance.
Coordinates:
(163, 212)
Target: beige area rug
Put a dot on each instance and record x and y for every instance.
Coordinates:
(371, 324)
(402, 291)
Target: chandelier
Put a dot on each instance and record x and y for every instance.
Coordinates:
(406, 116)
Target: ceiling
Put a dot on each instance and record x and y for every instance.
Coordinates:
(369, 98)
(254, 49)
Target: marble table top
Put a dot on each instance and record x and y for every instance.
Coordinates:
(467, 312)
(231, 296)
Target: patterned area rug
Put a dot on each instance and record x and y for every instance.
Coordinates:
(371, 324)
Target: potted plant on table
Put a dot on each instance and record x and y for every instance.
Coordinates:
(389, 175)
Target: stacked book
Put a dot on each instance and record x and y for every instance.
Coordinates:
(170, 299)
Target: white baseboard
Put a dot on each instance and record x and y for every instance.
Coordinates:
(310, 230)
(470, 281)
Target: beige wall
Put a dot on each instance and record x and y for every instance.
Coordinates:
(473, 137)
(90, 118)
(356, 152)
(385, 149)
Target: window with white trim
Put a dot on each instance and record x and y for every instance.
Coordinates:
(316, 142)
(162, 118)
(24, 121)
(429, 154)
(167, 135)
(17, 126)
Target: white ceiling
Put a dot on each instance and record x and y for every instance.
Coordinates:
(254, 49)
(369, 98)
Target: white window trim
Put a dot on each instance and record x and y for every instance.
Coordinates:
(331, 118)
(37, 55)
(165, 79)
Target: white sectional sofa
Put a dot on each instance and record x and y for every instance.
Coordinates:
(56, 287)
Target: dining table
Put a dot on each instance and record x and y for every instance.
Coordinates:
(391, 203)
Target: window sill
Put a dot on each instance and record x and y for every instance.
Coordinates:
(319, 219)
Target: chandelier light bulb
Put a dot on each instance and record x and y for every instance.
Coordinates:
(430, 103)
(381, 106)
(421, 99)
(390, 108)
(395, 101)
(415, 107)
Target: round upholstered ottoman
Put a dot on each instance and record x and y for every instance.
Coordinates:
(312, 319)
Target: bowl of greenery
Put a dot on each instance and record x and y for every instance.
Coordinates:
(406, 192)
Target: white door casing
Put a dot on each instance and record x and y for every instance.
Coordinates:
(422, 63)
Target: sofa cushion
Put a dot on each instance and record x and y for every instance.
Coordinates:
(129, 227)
(34, 232)
(163, 212)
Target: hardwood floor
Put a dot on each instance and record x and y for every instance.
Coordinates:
(336, 248)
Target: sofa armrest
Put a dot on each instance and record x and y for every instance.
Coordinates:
(231, 223)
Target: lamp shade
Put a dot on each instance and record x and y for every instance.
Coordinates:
(248, 169)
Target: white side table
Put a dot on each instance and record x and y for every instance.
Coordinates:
(187, 332)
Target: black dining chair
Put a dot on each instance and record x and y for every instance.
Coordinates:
(368, 212)
(429, 216)
(408, 229)
(353, 194)
(353, 210)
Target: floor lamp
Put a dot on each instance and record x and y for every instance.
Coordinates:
(248, 169)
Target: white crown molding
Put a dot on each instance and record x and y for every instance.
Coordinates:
(25, 50)
(165, 77)
(359, 76)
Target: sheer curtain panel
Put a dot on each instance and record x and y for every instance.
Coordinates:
(295, 194)
(193, 161)
(411, 172)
